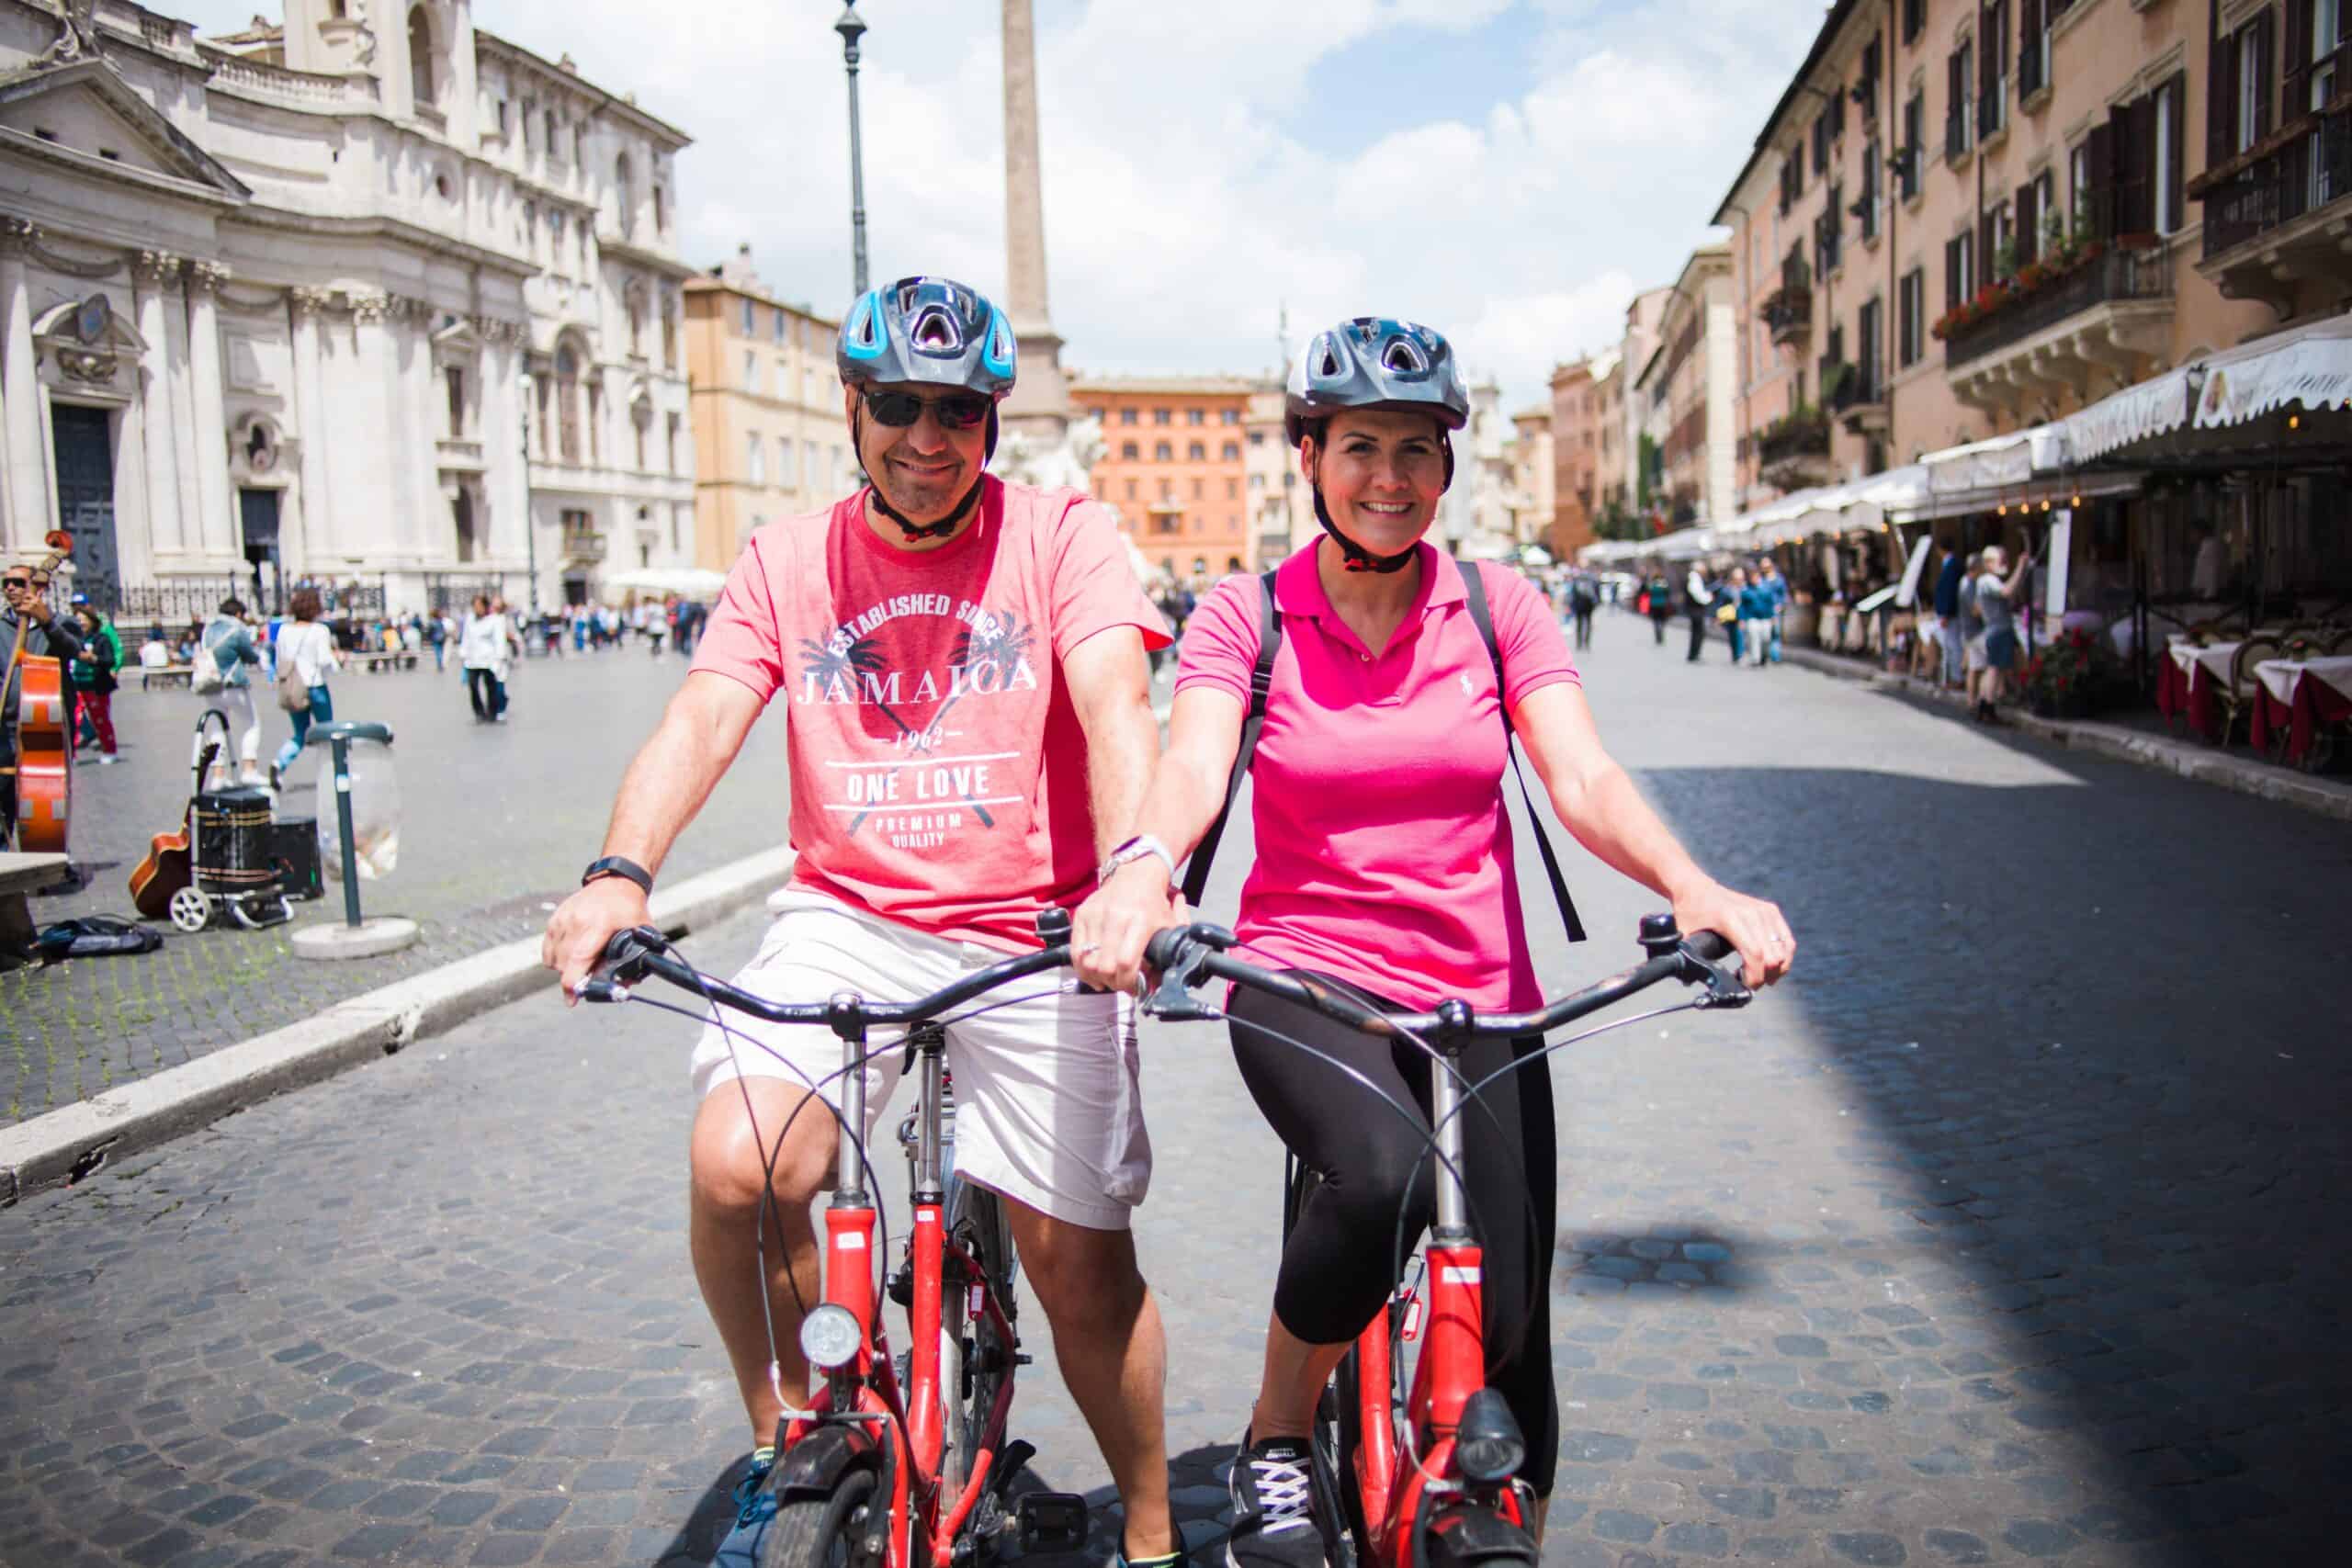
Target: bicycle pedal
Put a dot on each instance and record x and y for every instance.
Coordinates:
(1023, 1358)
(1051, 1521)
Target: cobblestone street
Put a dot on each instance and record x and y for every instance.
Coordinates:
(2007, 1230)
(496, 820)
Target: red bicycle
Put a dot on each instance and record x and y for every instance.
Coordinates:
(899, 1462)
(1429, 1477)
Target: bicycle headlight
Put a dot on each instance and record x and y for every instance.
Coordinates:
(829, 1337)
(1488, 1448)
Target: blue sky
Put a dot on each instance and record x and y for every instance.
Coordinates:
(1509, 171)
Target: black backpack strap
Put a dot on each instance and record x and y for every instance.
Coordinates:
(1261, 681)
(1474, 594)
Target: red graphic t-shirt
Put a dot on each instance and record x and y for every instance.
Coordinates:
(938, 768)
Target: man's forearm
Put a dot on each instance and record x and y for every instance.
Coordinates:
(670, 776)
(1122, 744)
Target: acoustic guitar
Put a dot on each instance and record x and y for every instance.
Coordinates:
(167, 868)
(44, 750)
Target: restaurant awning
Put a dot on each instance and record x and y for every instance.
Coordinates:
(2308, 366)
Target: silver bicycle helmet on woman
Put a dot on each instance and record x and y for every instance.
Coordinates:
(1374, 362)
(928, 332)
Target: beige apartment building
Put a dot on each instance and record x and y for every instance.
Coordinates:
(1280, 511)
(1686, 390)
(1966, 220)
(1532, 480)
(770, 440)
(1587, 420)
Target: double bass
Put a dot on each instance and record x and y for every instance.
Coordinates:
(44, 749)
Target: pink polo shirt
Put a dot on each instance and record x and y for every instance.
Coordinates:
(1384, 850)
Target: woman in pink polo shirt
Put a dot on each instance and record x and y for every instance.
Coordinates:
(1385, 862)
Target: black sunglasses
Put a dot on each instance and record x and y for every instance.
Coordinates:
(16, 582)
(957, 411)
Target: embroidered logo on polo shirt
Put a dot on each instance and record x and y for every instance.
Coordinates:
(1467, 689)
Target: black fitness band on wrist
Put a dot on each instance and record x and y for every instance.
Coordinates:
(618, 865)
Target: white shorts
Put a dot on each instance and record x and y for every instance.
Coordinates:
(1048, 1089)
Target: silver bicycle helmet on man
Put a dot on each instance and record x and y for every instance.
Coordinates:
(929, 332)
(1374, 362)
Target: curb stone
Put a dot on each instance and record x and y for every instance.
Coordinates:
(62, 1147)
(2202, 765)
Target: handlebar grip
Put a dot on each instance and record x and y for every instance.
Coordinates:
(1709, 945)
(1160, 951)
(626, 956)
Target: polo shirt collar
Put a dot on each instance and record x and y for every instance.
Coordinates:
(1298, 587)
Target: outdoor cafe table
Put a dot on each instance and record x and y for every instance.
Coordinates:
(2184, 684)
(2298, 696)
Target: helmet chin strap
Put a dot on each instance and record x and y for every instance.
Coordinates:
(946, 526)
(1354, 556)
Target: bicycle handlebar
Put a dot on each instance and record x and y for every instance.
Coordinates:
(632, 955)
(1185, 956)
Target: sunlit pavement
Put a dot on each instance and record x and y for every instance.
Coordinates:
(2005, 1229)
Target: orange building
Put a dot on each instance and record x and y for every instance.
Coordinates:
(1173, 465)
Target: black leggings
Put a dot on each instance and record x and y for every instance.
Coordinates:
(1336, 1266)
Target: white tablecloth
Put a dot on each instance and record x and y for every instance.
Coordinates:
(2280, 675)
(2213, 659)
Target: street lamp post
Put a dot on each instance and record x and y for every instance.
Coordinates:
(853, 27)
(530, 524)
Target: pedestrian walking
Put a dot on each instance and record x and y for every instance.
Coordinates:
(1732, 605)
(487, 646)
(1997, 598)
(1698, 603)
(306, 658)
(1582, 602)
(1950, 634)
(1776, 588)
(228, 646)
(1658, 596)
(92, 673)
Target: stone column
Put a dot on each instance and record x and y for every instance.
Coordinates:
(430, 519)
(1038, 407)
(216, 528)
(28, 481)
(387, 486)
(152, 274)
(315, 516)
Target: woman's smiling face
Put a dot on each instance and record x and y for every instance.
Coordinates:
(1382, 472)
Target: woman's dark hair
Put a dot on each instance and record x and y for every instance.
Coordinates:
(304, 605)
(232, 605)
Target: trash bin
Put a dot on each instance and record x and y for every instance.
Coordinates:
(360, 841)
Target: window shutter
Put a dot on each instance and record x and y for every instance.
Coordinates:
(2222, 102)
(2177, 195)
(2298, 62)
(2100, 204)
(1987, 237)
(1952, 273)
(2029, 26)
(2265, 63)
(2027, 221)
(1988, 58)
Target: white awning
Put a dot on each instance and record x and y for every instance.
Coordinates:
(2310, 367)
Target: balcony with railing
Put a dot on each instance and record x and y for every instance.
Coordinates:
(2083, 315)
(1788, 310)
(1855, 394)
(582, 543)
(2277, 214)
(1793, 451)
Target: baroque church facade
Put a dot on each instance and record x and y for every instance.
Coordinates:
(372, 300)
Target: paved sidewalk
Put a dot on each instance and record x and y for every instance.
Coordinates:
(497, 821)
(2007, 1231)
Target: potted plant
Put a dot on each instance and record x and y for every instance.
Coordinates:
(2070, 677)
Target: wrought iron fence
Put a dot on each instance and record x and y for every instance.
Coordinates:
(453, 591)
(173, 602)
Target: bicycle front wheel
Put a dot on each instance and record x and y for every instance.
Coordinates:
(843, 1530)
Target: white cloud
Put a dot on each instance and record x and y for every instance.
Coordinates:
(1187, 198)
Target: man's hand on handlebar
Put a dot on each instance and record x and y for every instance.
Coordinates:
(1755, 927)
(1107, 938)
(583, 923)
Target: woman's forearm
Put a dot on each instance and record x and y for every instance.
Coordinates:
(1608, 817)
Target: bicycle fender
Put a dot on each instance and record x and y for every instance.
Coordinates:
(813, 1467)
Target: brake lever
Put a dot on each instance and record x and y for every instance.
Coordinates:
(1724, 987)
(1172, 999)
(625, 953)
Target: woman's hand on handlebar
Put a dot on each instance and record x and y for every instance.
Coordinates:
(1754, 926)
(1108, 935)
(583, 923)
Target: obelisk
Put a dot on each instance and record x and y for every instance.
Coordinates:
(1038, 409)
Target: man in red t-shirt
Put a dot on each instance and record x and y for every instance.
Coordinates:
(963, 663)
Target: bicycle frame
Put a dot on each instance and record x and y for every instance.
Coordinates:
(1393, 1486)
(866, 1389)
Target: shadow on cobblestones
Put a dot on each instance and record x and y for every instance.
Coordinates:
(2096, 1154)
